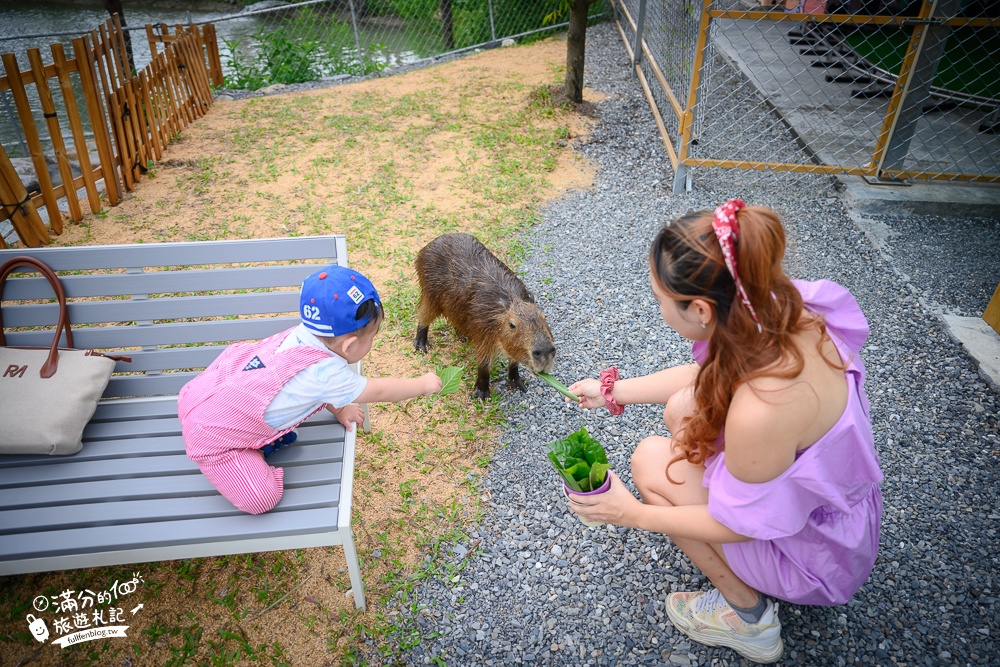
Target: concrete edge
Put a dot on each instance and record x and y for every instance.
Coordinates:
(981, 342)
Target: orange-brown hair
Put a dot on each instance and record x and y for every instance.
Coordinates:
(687, 262)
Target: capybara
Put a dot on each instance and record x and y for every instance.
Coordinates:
(486, 303)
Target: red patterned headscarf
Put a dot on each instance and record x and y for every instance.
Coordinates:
(727, 230)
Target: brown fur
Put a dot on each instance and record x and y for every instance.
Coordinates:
(486, 302)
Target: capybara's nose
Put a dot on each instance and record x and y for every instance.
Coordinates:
(542, 353)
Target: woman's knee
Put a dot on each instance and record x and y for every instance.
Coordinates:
(649, 463)
(678, 408)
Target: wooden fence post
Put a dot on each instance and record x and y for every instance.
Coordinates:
(16, 84)
(100, 61)
(211, 43)
(85, 56)
(55, 133)
(17, 205)
(73, 113)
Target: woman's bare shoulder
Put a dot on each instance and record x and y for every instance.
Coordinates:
(766, 420)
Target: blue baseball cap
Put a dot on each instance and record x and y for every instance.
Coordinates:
(329, 300)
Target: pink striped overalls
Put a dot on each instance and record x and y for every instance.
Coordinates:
(222, 418)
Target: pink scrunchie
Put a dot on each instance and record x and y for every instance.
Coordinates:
(608, 378)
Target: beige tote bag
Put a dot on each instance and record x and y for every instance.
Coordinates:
(47, 395)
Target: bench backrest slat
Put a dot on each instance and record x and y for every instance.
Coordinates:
(234, 290)
(158, 282)
(143, 255)
(169, 333)
(99, 312)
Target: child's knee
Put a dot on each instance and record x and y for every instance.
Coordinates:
(257, 500)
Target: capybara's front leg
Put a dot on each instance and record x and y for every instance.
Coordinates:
(514, 377)
(482, 391)
(420, 342)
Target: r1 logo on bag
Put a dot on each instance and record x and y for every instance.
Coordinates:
(15, 371)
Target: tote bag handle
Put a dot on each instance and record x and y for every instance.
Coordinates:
(49, 368)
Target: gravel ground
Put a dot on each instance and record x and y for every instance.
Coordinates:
(540, 588)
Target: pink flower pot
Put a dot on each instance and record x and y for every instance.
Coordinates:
(601, 489)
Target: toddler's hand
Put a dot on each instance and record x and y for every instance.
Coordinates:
(431, 383)
(589, 391)
(349, 416)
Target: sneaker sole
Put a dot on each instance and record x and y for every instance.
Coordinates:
(709, 638)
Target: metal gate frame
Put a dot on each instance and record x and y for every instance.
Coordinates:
(931, 28)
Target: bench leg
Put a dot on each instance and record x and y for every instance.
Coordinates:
(354, 569)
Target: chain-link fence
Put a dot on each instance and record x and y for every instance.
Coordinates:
(887, 89)
(279, 42)
(325, 38)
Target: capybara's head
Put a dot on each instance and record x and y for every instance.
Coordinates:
(527, 339)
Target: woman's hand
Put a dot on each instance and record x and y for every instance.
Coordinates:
(589, 391)
(349, 416)
(613, 506)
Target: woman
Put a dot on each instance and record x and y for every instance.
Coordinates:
(770, 483)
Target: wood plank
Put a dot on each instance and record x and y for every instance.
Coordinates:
(34, 144)
(22, 214)
(96, 539)
(63, 70)
(152, 134)
(211, 43)
(172, 333)
(135, 129)
(101, 64)
(160, 99)
(55, 135)
(194, 253)
(25, 523)
(83, 54)
(185, 102)
(86, 491)
(222, 305)
(282, 276)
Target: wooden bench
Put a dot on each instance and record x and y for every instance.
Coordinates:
(131, 494)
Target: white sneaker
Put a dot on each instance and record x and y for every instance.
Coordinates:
(708, 619)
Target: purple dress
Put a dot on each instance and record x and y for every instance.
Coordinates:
(815, 527)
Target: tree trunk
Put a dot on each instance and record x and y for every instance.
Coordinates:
(576, 44)
(115, 7)
(447, 26)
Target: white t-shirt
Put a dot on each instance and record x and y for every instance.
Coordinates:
(329, 381)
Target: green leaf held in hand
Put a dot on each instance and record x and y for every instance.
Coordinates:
(451, 379)
(557, 385)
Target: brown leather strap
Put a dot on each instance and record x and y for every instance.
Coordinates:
(49, 368)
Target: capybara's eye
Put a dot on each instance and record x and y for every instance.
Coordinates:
(512, 325)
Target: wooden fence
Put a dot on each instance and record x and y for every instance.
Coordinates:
(133, 116)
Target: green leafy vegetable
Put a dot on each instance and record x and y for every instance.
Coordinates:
(558, 386)
(580, 460)
(451, 379)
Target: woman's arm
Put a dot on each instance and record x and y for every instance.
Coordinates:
(655, 388)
